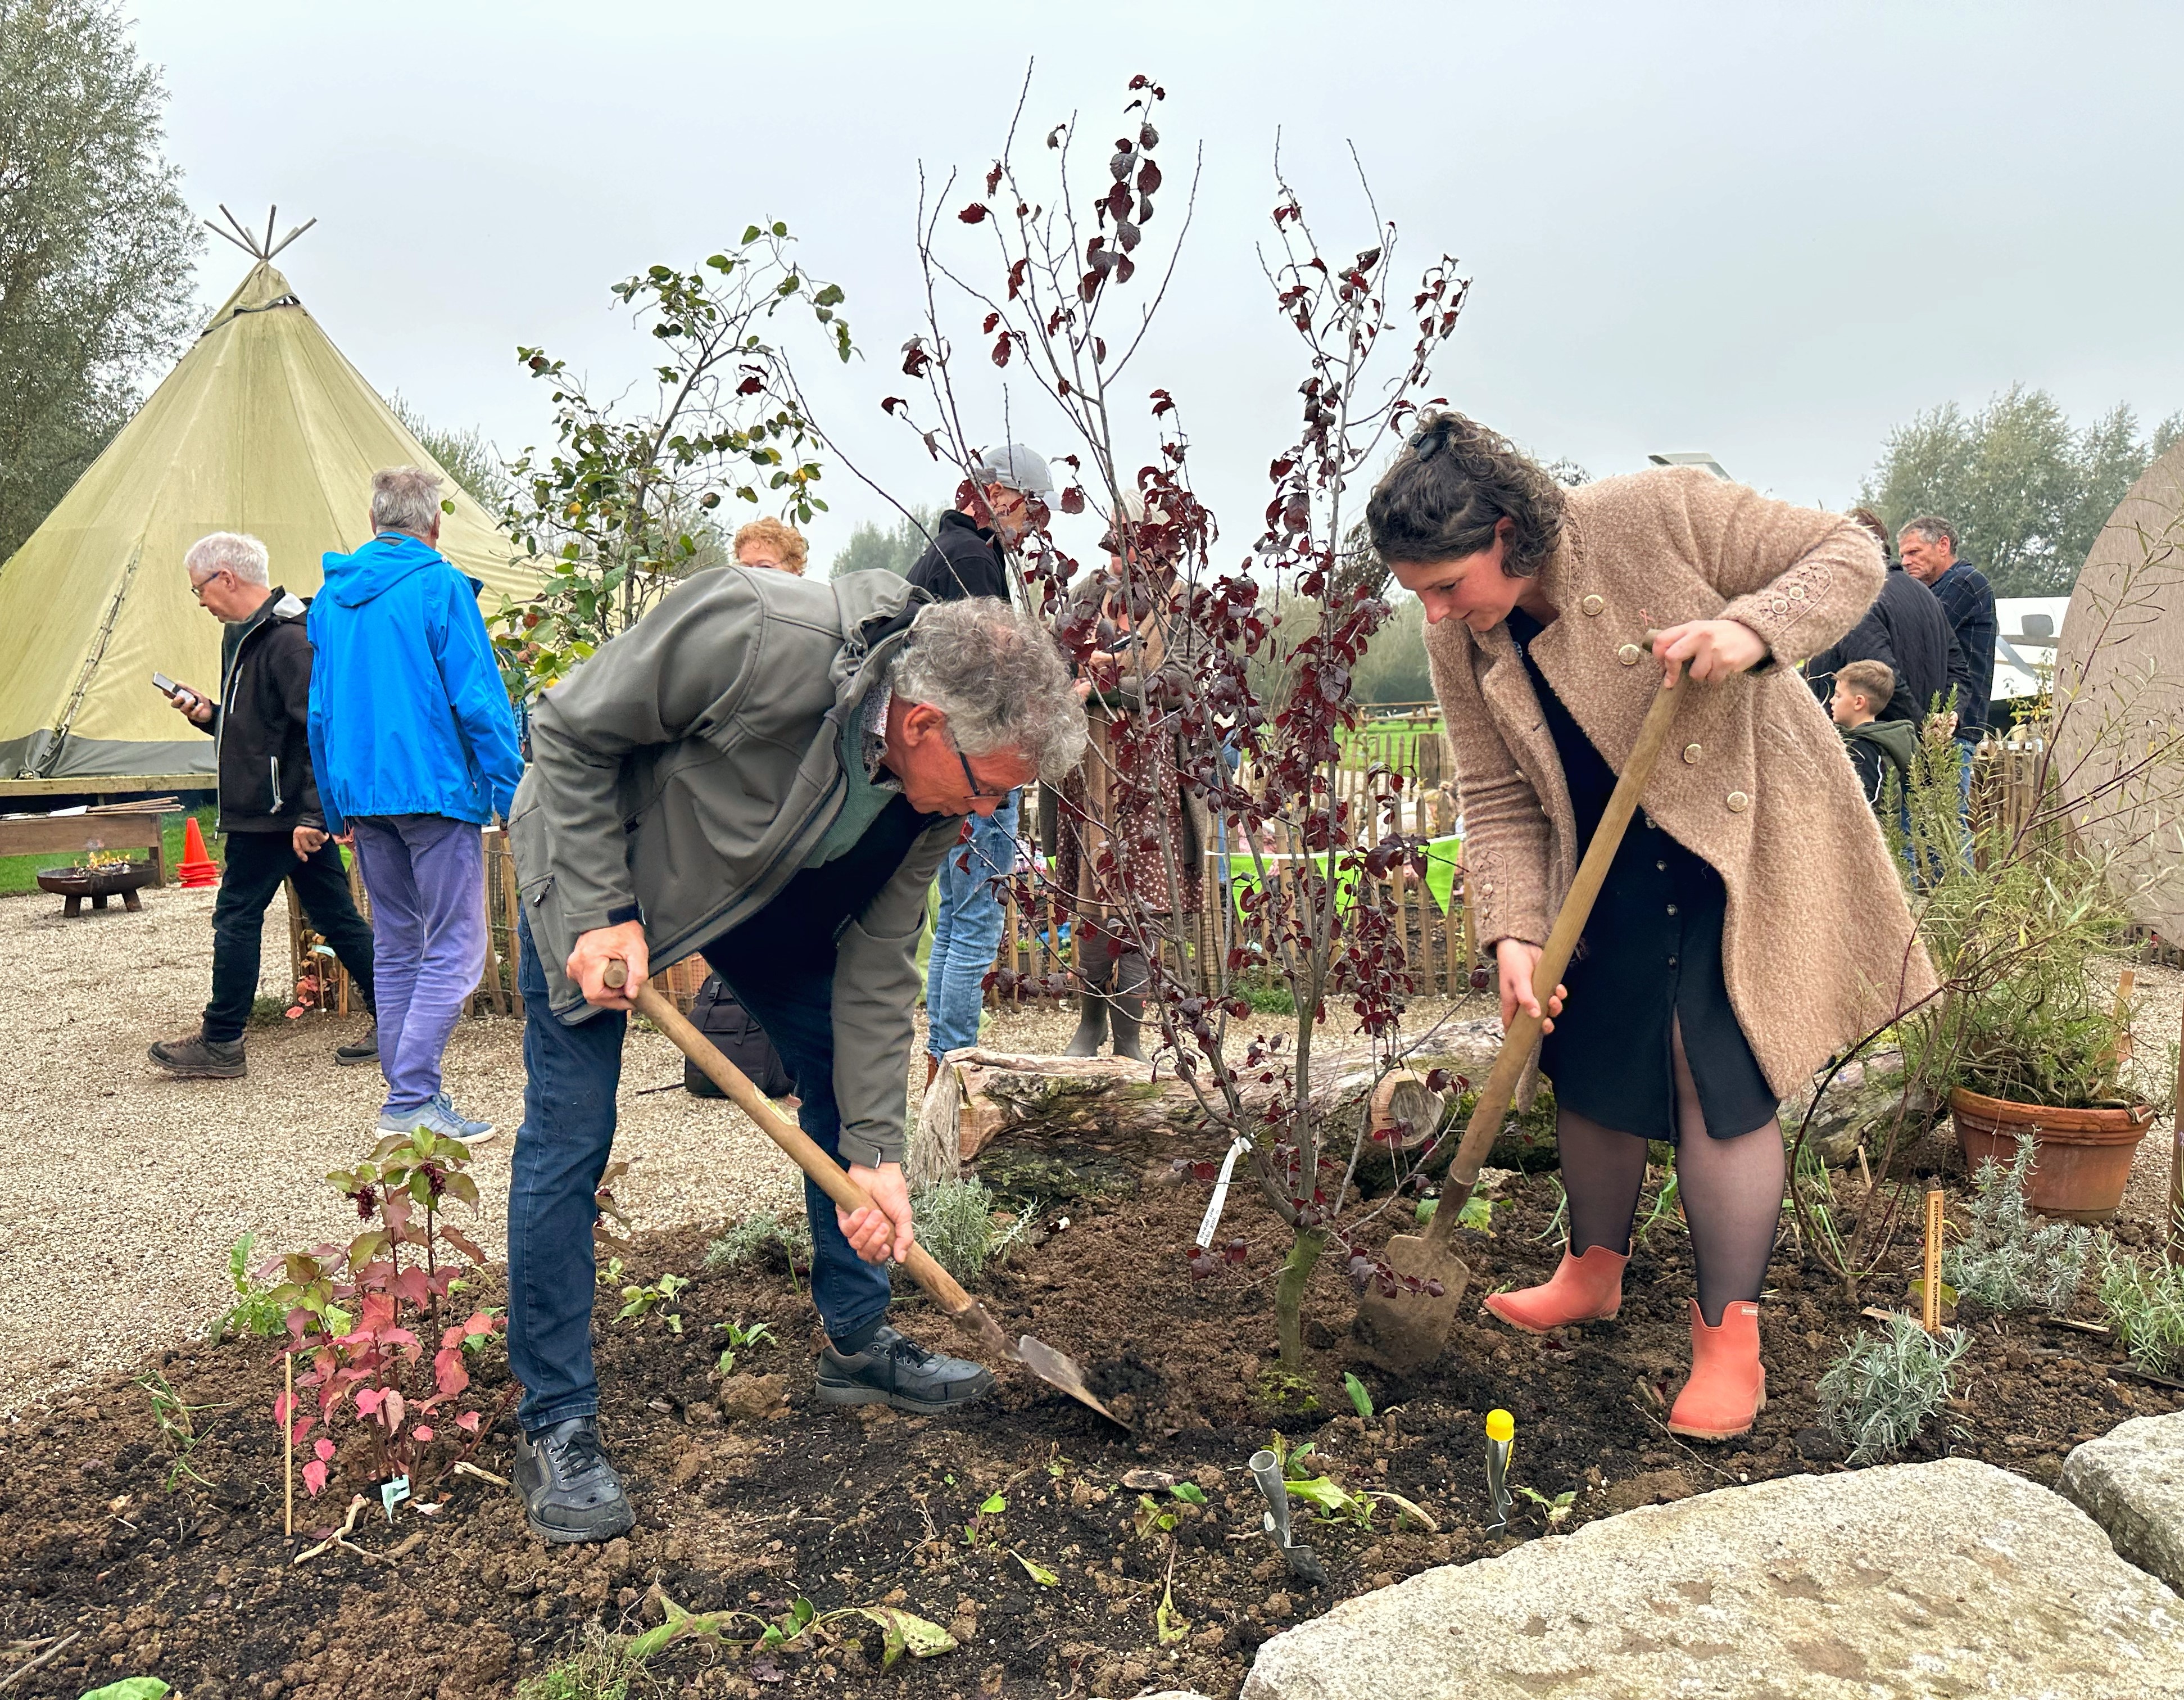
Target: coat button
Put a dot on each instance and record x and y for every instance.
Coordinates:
(1738, 802)
(1593, 605)
(1672, 909)
(1628, 655)
(1692, 754)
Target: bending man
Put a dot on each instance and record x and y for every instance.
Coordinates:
(767, 769)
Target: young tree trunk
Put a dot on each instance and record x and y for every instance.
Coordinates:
(1289, 1297)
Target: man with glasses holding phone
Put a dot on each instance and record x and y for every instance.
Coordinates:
(765, 770)
(269, 801)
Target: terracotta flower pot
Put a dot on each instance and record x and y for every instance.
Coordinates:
(2080, 1158)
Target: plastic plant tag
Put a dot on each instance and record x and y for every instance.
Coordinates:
(393, 1493)
(1219, 1202)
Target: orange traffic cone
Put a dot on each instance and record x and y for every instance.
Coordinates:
(197, 868)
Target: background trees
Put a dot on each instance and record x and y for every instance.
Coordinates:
(886, 549)
(96, 246)
(2027, 492)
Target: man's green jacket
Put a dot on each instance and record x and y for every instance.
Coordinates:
(683, 774)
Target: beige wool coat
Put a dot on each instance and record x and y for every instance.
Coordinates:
(1818, 945)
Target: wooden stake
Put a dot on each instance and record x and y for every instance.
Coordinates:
(288, 1450)
(2176, 1161)
(1931, 1309)
(2125, 984)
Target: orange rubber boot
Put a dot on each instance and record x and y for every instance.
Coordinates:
(1728, 1388)
(1587, 1289)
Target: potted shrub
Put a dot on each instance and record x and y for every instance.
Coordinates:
(2030, 1035)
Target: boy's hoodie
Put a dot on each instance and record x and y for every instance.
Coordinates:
(1877, 746)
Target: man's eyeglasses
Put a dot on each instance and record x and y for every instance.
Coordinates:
(979, 794)
(198, 586)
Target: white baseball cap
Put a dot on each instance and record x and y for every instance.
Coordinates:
(1015, 467)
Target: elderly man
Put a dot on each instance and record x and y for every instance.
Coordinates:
(269, 804)
(967, 558)
(1929, 547)
(767, 770)
(413, 743)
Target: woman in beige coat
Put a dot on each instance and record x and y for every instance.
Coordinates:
(1752, 922)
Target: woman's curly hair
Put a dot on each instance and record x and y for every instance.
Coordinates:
(1453, 485)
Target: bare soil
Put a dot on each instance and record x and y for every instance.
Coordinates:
(752, 1495)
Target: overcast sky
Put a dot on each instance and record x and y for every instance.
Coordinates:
(1766, 230)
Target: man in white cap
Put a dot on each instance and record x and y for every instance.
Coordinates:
(966, 559)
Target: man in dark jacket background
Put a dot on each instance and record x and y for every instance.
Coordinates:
(1929, 545)
(965, 555)
(1906, 631)
(966, 559)
(269, 801)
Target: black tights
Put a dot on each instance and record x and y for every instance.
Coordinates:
(1731, 1191)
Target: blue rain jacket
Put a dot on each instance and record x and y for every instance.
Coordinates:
(408, 713)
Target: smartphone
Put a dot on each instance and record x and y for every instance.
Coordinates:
(161, 681)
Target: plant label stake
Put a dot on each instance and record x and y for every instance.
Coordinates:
(1409, 1326)
(288, 1450)
(1930, 1296)
(393, 1493)
(1055, 1368)
(1219, 1202)
(1501, 1440)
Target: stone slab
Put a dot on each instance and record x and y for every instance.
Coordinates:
(1944, 1580)
(2130, 1481)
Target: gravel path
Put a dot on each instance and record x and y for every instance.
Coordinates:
(122, 1190)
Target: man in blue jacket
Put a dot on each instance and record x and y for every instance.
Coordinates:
(413, 744)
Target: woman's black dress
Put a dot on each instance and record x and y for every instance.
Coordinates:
(1649, 958)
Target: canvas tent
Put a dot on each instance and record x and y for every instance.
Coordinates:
(262, 428)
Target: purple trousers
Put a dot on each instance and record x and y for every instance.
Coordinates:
(426, 876)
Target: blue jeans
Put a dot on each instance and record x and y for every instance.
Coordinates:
(1965, 746)
(968, 930)
(426, 877)
(570, 1076)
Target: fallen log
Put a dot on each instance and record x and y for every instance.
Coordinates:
(980, 1096)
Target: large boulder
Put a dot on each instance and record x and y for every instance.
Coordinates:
(1952, 1577)
(2130, 1481)
(1865, 1105)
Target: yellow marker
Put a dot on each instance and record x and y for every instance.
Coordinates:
(1500, 1434)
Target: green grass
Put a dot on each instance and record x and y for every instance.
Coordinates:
(19, 873)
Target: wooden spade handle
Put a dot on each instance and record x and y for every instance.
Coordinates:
(803, 1150)
(1500, 1090)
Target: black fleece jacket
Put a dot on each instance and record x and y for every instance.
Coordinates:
(261, 724)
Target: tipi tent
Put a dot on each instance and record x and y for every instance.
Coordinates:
(264, 428)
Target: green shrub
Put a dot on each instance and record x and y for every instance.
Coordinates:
(2145, 1306)
(2008, 1261)
(255, 1310)
(788, 1234)
(955, 1221)
(1879, 1395)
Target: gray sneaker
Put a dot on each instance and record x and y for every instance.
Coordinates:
(441, 1117)
(894, 1369)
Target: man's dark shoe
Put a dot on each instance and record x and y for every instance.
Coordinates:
(363, 1050)
(894, 1369)
(569, 1491)
(199, 1058)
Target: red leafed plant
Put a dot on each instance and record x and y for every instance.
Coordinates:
(1232, 683)
(361, 1316)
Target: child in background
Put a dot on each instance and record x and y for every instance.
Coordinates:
(1873, 746)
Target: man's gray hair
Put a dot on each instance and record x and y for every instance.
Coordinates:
(1932, 527)
(229, 552)
(405, 498)
(999, 677)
